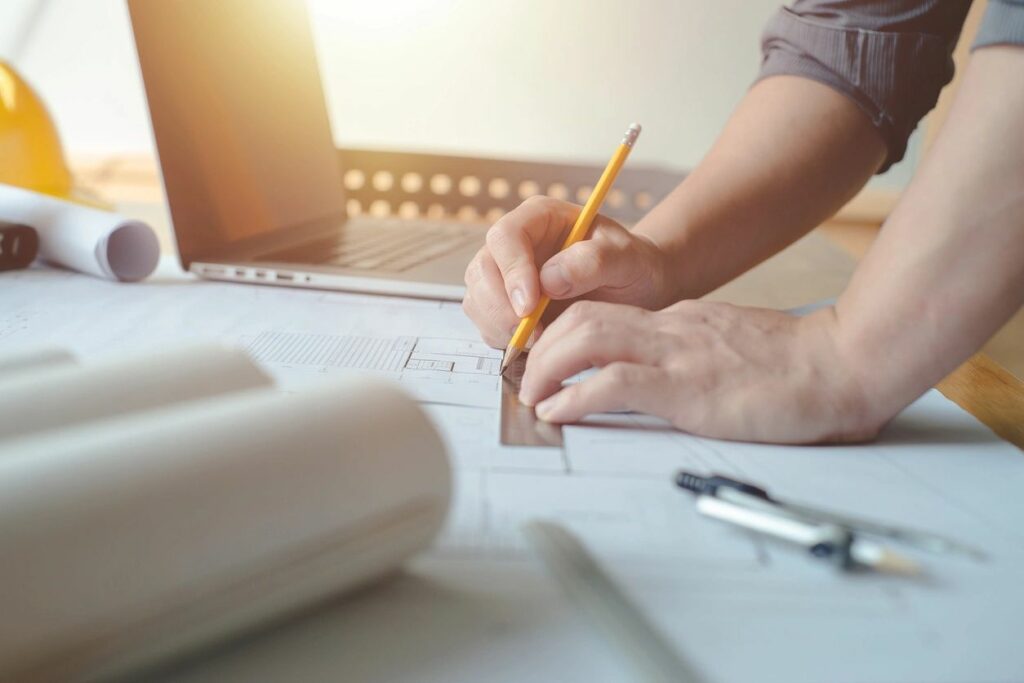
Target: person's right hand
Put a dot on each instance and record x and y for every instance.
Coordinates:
(521, 261)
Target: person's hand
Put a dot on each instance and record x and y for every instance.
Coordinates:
(710, 369)
(521, 261)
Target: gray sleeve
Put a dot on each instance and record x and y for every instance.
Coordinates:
(890, 57)
(1003, 24)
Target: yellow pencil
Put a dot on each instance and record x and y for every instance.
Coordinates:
(579, 231)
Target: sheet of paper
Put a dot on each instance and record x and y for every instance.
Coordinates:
(934, 468)
(434, 370)
(739, 607)
(300, 336)
(63, 395)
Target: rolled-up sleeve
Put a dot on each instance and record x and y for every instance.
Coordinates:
(890, 57)
(1003, 24)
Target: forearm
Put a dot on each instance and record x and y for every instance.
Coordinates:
(791, 155)
(948, 268)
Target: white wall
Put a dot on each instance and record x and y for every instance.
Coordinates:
(523, 78)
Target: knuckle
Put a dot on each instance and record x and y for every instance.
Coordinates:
(607, 229)
(693, 313)
(591, 330)
(541, 202)
(579, 311)
(497, 235)
(619, 373)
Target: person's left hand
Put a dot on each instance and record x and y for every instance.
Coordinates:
(710, 369)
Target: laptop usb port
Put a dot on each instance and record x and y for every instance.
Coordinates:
(286, 277)
(262, 274)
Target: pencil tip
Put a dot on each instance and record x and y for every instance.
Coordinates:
(509, 357)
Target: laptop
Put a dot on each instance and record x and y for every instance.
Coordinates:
(250, 169)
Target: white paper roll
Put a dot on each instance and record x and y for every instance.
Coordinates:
(13, 363)
(128, 541)
(88, 240)
(62, 395)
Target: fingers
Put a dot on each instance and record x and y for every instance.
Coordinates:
(606, 259)
(589, 334)
(619, 386)
(486, 302)
(513, 255)
(524, 237)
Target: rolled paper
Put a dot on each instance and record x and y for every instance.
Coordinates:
(131, 540)
(81, 238)
(61, 395)
(14, 363)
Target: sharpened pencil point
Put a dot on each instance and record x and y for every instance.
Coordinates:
(511, 353)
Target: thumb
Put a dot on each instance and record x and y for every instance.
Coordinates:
(584, 267)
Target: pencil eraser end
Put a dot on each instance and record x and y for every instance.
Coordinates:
(632, 133)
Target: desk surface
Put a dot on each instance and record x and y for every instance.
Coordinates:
(816, 267)
(476, 606)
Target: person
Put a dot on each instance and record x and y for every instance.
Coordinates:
(842, 85)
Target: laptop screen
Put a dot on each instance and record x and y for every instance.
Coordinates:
(239, 117)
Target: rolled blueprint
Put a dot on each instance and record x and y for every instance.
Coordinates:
(61, 395)
(88, 240)
(136, 539)
(13, 363)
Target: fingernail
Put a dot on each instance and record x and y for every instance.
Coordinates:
(546, 408)
(555, 279)
(524, 397)
(519, 302)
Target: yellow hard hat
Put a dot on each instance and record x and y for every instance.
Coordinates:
(30, 151)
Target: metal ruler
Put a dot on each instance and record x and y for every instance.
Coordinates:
(519, 423)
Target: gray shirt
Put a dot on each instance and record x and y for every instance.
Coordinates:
(891, 57)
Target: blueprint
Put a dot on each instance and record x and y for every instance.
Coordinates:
(478, 606)
(449, 371)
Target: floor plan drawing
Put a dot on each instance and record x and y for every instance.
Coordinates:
(435, 370)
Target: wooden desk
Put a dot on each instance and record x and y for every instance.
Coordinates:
(817, 267)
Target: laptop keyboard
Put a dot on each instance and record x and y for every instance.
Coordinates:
(391, 246)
